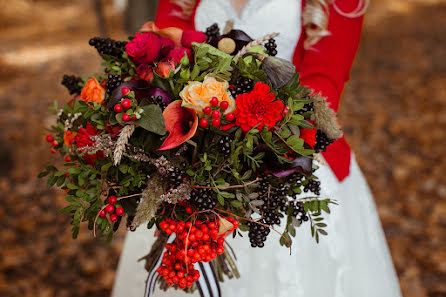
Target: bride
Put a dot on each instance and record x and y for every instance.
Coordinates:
(321, 38)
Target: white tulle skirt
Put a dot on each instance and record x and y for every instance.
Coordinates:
(352, 261)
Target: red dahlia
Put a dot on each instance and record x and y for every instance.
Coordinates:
(83, 139)
(258, 107)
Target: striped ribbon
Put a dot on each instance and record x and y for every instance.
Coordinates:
(208, 284)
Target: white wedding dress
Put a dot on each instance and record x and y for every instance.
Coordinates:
(352, 261)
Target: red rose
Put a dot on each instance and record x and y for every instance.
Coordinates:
(308, 136)
(163, 68)
(166, 46)
(144, 48)
(192, 36)
(145, 72)
(83, 139)
(258, 107)
(177, 54)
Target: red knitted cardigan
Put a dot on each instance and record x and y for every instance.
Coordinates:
(325, 68)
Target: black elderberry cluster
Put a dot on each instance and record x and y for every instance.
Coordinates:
(203, 199)
(113, 82)
(158, 100)
(313, 186)
(72, 82)
(274, 199)
(225, 145)
(298, 211)
(212, 33)
(107, 46)
(257, 233)
(242, 85)
(322, 142)
(271, 47)
(176, 177)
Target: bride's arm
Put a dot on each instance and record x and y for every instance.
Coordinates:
(326, 67)
(167, 15)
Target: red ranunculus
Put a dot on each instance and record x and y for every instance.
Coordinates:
(258, 108)
(177, 54)
(83, 139)
(192, 36)
(144, 48)
(308, 136)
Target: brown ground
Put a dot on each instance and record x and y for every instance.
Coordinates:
(394, 112)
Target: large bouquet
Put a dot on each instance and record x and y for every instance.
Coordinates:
(199, 135)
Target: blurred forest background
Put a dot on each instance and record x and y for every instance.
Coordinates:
(393, 112)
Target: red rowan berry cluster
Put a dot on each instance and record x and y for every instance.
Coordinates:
(128, 107)
(195, 242)
(111, 209)
(214, 113)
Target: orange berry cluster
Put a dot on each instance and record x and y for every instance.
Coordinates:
(195, 242)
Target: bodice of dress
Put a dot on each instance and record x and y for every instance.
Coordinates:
(258, 18)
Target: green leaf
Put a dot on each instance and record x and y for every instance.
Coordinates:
(227, 194)
(236, 203)
(42, 174)
(51, 181)
(322, 231)
(220, 199)
(304, 124)
(152, 119)
(243, 228)
(107, 166)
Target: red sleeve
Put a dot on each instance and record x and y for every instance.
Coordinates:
(326, 67)
(166, 16)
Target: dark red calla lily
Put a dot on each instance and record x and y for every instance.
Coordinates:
(181, 123)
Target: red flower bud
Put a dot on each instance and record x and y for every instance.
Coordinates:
(192, 36)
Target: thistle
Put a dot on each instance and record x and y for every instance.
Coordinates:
(278, 71)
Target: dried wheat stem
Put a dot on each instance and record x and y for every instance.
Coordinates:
(259, 41)
(123, 140)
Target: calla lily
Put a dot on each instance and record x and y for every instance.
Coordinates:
(172, 33)
(181, 123)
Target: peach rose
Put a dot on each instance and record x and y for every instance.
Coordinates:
(68, 137)
(196, 95)
(93, 91)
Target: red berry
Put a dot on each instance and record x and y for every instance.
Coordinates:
(49, 138)
(204, 123)
(52, 150)
(216, 122)
(113, 218)
(102, 213)
(207, 110)
(125, 117)
(133, 118)
(214, 101)
(125, 91)
(215, 114)
(67, 159)
(126, 103)
(118, 108)
(230, 117)
(54, 143)
(119, 211)
(110, 208)
(224, 105)
(189, 210)
(112, 200)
